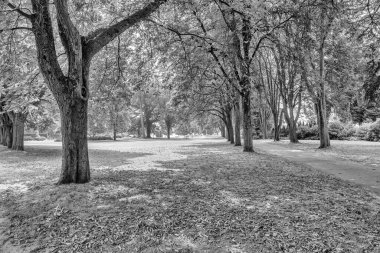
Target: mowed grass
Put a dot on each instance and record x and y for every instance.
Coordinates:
(364, 152)
(183, 196)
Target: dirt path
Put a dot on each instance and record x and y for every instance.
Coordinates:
(365, 175)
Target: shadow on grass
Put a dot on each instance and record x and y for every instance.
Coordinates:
(40, 165)
(208, 202)
(97, 157)
(154, 139)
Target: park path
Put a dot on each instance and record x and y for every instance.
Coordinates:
(368, 176)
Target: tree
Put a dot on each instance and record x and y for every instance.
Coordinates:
(290, 88)
(22, 88)
(269, 83)
(312, 56)
(71, 89)
(167, 112)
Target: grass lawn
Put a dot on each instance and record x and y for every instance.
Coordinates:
(364, 152)
(196, 195)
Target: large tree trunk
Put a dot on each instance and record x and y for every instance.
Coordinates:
(168, 128)
(75, 163)
(292, 132)
(264, 123)
(324, 137)
(141, 115)
(114, 117)
(1, 135)
(277, 124)
(8, 136)
(18, 120)
(247, 118)
(230, 127)
(114, 131)
(222, 129)
(148, 129)
(276, 127)
(292, 124)
(321, 99)
(237, 121)
(7, 131)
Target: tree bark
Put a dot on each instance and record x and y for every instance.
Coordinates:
(264, 122)
(148, 129)
(141, 115)
(222, 129)
(75, 163)
(237, 121)
(1, 135)
(114, 131)
(277, 124)
(114, 117)
(293, 133)
(168, 124)
(321, 100)
(324, 138)
(18, 120)
(292, 126)
(7, 138)
(247, 118)
(276, 127)
(230, 127)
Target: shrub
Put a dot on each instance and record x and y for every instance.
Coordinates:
(335, 130)
(306, 132)
(373, 133)
(362, 131)
(40, 138)
(284, 132)
(28, 138)
(100, 138)
(348, 132)
(34, 138)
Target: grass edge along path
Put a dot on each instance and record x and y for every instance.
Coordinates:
(218, 199)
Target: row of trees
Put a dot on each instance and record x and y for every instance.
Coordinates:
(246, 62)
(301, 58)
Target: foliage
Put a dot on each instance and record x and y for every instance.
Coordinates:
(374, 131)
(100, 138)
(362, 131)
(307, 132)
(34, 138)
(335, 129)
(348, 132)
(369, 131)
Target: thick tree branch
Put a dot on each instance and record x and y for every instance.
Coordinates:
(70, 36)
(16, 28)
(47, 56)
(96, 40)
(17, 9)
